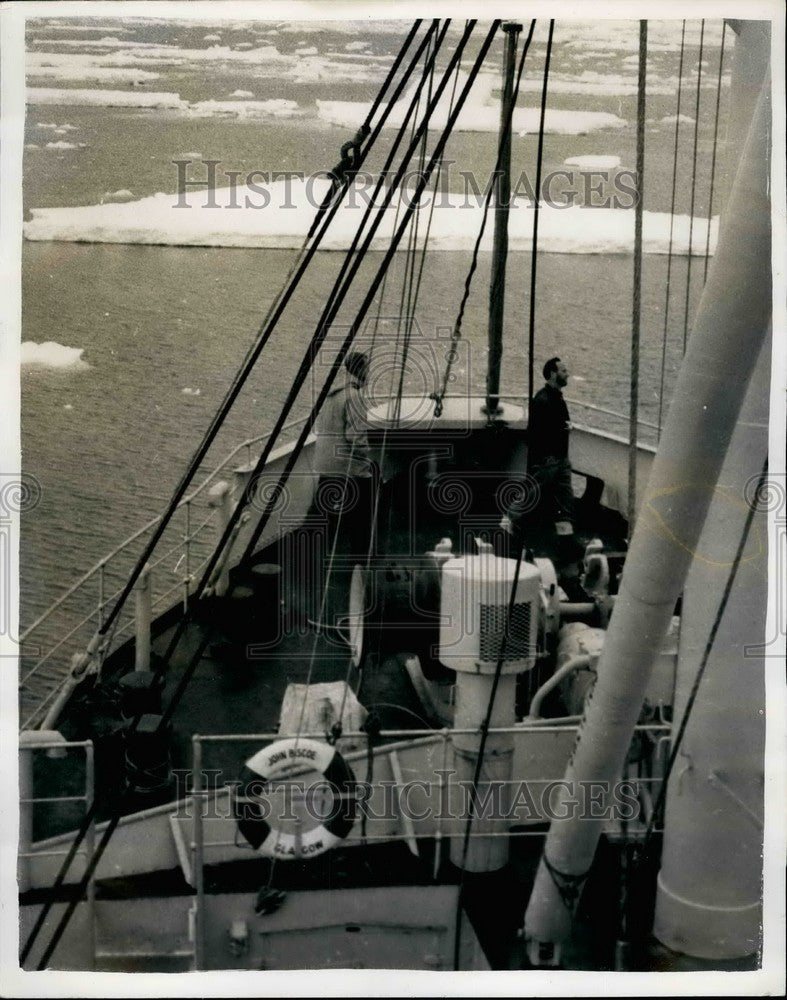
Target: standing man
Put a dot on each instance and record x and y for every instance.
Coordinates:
(547, 454)
(547, 461)
(345, 487)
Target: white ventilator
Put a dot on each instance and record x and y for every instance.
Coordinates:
(474, 607)
(476, 592)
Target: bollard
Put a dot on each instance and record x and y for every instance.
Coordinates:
(220, 498)
(143, 617)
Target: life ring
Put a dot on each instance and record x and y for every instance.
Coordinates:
(283, 760)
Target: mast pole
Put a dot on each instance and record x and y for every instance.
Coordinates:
(497, 287)
(636, 309)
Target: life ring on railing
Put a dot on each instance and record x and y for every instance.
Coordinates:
(308, 835)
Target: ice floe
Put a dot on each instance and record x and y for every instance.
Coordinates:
(623, 35)
(242, 93)
(62, 144)
(104, 98)
(279, 215)
(674, 119)
(77, 29)
(108, 42)
(479, 114)
(593, 162)
(596, 85)
(562, 122)
(50, 354)
(313, 69)
(276, 107)
(94, 74)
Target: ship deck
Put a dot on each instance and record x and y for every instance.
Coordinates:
(241, 665)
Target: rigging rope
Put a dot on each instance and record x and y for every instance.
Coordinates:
(82, 885)
(264, 333)
(351, 262)
(351, 168)
(456, 332)
(693, 187)
(421, 185)
(536, 210)
(715, 141)
(337, 729)
(252, 355)
(329, 313)
(396, 239)
(429, 67)
(671, 229)
(363, 667)
(406, 301)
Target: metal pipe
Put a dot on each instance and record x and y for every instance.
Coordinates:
(199, 854)
(734, 311)
(472, 700)
(23, 865)
(705, 908)
(187, 553)
(575, 663)
(90, 847)
(571, 611)
(438, 833)
(65, 691)
(497, 287)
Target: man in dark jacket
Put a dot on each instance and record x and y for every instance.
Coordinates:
(548, 496)
(548, 427)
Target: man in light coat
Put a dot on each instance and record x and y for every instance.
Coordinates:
(345, 488)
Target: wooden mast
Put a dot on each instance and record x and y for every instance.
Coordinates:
(502, 182)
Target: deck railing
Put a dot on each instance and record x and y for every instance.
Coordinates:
(49, 644)
(209, 841)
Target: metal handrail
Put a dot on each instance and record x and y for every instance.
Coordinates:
(185, 502)
(201, 845)
(610, 413)
(187, 534)
(26, 854)
(56, 647)
(527, 725)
